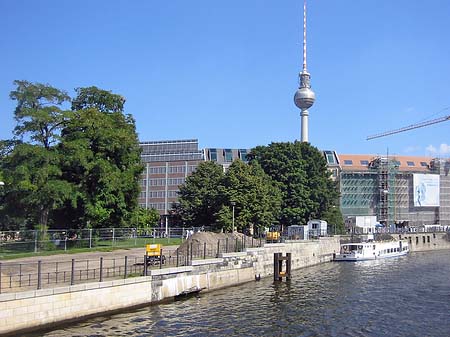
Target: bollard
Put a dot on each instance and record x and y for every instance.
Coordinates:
(278, 272)
(101, 269)
(178, 254)
(160, 258)
(204, 250)
(218, 248)
(226, 245)
(236, 248)
(126, 263)
(72, 274)
(39, 275)
(191, 253)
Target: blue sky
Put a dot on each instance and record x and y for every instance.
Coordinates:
(225, 72)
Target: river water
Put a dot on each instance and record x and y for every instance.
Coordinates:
(406, 296)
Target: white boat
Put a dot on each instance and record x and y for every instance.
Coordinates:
(372, 250)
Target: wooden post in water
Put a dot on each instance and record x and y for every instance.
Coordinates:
(278, 272)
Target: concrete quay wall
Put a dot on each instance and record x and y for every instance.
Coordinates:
(33, 309)
(425, 241)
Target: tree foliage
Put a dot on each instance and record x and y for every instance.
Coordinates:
(101, 156)
(300, 172)
(69, 168)
(33, 177)
(200, 198)
(209, 194)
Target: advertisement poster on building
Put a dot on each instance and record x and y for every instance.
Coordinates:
(426, 190)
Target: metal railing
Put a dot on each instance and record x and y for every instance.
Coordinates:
(29, 241)
(24, 276)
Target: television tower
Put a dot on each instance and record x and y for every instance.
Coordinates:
(304, 97)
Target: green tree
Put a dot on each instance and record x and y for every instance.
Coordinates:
(102, 158)
(31, 164)
(257, 200)
(300, 172)
(201, 197)
(145, 219)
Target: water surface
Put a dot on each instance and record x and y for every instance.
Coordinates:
(406, 296)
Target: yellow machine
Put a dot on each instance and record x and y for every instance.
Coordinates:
(153, 254)
(274, 234)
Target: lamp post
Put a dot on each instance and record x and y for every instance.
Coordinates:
(233, 204)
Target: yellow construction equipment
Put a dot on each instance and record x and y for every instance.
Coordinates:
(153, 254)
(274, 234)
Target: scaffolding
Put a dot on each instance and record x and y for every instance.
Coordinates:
(386, 190)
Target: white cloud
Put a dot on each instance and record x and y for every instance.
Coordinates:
(431, 149)
(412, 149)
(443, 149)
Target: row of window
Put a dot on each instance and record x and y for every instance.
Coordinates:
(162, 182)
(172, 169)
(159, 194)
(227, 155)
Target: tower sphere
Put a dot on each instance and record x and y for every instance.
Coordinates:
(304, 98)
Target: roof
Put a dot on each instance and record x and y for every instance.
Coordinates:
(360, 162)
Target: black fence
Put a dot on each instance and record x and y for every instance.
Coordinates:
(16, 277)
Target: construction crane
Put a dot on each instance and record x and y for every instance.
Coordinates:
(410, 127)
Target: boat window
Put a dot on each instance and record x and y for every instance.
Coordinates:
(373, 247)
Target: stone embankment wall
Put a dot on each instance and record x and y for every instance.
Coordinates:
(33, 309)
(424, 241)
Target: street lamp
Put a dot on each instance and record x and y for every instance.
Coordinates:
(233, 204)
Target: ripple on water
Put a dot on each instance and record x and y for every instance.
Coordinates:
(408, 296)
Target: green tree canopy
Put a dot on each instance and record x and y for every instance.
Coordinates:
(200, 198)
(300, 172)
(256, 199)
(101, 156)
(31, 169)
(69, 168)
(208, 196)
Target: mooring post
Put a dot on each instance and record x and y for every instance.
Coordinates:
(276, 266)
(288, 266)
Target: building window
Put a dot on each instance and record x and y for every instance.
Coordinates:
(243, 155)
(228, 154)
(158, 170)
(424, 164)
(410, 163)
(213, 154)
(330, 157)
(364, 162)
(348, 162)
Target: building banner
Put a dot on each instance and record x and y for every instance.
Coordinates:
(426, 190)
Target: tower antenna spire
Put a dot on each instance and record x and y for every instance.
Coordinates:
(304, 97)
(304, 36)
